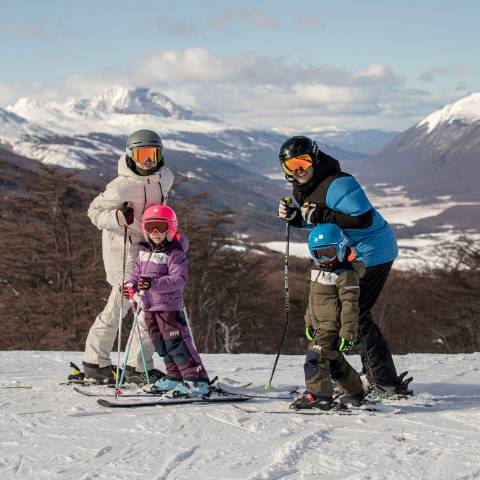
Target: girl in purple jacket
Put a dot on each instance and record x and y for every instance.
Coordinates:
(160, 274)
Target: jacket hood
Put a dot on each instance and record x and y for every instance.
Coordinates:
(125, 171)
(180, 242)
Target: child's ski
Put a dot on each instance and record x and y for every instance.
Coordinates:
(164, 402)
(104, 393)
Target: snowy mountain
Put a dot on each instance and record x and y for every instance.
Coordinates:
(51, 432)
(367, 142)
(77, 129)
(465, 110)
(438, 156)
(103, 112)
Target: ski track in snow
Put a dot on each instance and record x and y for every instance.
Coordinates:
(51, 432)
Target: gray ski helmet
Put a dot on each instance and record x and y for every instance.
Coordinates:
(298, 145)
(145, 138)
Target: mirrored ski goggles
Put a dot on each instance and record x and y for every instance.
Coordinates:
(142, 154)
(300, 162)
(328, 253)
(160, 226)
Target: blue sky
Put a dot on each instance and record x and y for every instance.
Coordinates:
(302, 64)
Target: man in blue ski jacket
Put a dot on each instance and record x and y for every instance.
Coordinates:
(324, 194)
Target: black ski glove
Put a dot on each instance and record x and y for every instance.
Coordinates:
(342, 344)
(287, 209)
(125, 215)
(144, 282)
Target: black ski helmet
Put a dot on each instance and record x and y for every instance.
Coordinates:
(298, 145)
(144, 138)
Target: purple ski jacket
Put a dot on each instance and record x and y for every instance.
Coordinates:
(167, 266)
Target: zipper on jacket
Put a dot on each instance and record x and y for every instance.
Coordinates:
(144, 199)
(161, 193)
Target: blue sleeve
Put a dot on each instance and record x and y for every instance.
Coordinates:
(346, 195)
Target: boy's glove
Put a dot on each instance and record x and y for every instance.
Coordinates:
(309, 332)
(144, 283)
(342, 344)
(287, 209)
(125, 215)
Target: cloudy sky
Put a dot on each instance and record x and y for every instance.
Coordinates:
(277, 64)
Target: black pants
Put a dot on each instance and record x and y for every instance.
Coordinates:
(374, 350)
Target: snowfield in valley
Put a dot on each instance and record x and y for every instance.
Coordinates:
(51, 432)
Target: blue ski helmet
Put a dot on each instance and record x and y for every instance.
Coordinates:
(327, 242)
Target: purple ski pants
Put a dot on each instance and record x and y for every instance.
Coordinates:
(172, 340)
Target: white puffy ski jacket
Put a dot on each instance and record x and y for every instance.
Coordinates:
(142, 192)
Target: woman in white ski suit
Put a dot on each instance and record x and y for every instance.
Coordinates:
(141, 192)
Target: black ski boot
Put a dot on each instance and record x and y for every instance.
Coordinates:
(355, 400)
(309, 400)
(77, 376)
(139, 378)
(100, 375)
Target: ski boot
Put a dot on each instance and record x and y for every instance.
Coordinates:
(139, 378)
(100, 375)
(309, 400)
(77, 376)
(400, 390)
(355, 400)
(190, 388)
(164, 385)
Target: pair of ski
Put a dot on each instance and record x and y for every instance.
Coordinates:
(222, 394)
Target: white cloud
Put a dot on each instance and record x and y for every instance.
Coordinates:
(254, 90)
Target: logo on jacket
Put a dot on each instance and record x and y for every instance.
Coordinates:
(174, 333)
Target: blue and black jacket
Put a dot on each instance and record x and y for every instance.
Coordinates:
(340, 199)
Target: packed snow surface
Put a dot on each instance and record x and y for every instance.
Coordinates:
(51, 432)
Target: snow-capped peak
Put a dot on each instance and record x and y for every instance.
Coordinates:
(124, 100)
(466, 109)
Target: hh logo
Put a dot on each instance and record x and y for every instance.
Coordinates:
(174, 333)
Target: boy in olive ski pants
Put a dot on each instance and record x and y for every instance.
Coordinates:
(331, 320)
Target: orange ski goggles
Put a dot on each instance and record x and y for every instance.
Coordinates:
(141, 154)
(300, 162)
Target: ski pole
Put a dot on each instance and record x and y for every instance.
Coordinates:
(369, 364)
(127, 349)
(119, 339)
(142, 351)
(189, 325)
(268, 386)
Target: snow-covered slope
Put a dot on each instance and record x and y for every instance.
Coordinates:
(465, 110)
(50, 432)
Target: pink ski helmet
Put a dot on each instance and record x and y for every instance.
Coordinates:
(160, 213)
